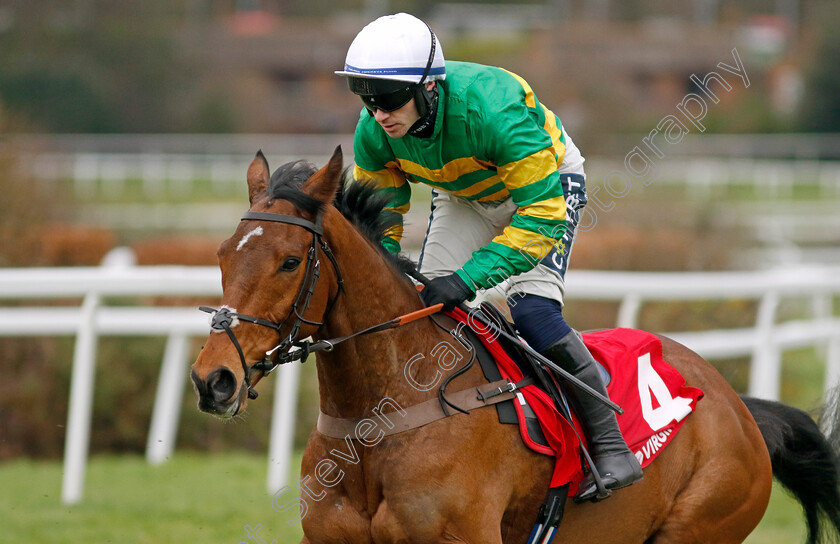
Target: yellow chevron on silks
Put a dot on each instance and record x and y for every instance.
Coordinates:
(553, 209)
(531, 169)
(530, 99)
(395, 232)
(557, 138)
(450, 171)
(534, 244)
(388, 177)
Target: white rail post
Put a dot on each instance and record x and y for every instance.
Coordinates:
(167, 408)
(181, 177)
(223, 172)
(822, 307)
(766, 366)
(85, 175)
(698, 179)
(628, 312)
(113, 172)
(153, 172)
(81, 403)
(282, 425)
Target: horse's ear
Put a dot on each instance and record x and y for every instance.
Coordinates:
(258, 175)
(324, 185)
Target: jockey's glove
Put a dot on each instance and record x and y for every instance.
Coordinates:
(450, 290)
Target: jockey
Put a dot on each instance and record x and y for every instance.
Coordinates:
(508, 187)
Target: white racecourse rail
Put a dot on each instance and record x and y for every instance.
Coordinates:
(93, 318)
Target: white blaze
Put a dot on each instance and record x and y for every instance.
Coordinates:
(256, 232)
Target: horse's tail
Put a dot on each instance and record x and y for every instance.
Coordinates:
(804, 461)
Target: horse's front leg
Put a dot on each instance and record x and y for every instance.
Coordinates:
(334, 519)
(332, 496)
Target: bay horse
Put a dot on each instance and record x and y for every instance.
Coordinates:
(465, 478)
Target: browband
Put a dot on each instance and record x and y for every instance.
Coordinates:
(278, 218)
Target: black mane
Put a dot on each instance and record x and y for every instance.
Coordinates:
(360, 203)
(286, 182)
(364, 206)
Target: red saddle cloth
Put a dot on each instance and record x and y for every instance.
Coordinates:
(652, 393)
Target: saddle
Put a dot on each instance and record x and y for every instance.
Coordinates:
(652, 393)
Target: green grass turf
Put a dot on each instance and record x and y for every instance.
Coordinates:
(191, 498)
(195, 498)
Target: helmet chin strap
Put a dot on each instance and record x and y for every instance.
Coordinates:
(421, 96)
(424, 99)
(423, 127)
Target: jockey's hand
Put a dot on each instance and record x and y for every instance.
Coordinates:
(450, 290)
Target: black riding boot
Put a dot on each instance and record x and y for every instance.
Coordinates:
(616, 464)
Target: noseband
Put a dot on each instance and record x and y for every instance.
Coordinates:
(224, 319)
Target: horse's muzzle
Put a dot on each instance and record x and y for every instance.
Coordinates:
(217, 394)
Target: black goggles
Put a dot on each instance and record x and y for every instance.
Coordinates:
(389, 102)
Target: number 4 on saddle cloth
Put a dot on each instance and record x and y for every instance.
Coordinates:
(651, 392)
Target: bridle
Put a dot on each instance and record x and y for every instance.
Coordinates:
(224, 319)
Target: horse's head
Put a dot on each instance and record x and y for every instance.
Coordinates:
(271, 291)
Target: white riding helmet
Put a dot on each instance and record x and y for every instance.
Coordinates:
(390, 52)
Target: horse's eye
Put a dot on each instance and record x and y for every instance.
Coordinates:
(290, 264)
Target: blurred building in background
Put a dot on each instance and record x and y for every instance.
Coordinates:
(266, 65)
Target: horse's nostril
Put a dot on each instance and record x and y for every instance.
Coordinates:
(222, 384)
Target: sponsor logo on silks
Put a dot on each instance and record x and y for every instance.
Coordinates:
(653, 445)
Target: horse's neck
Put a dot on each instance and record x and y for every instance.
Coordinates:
(360, 373)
